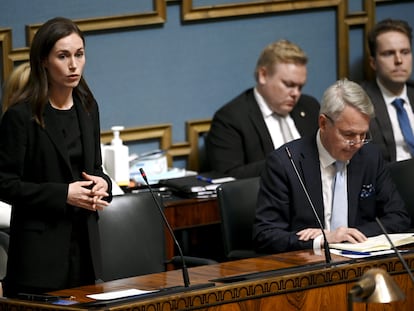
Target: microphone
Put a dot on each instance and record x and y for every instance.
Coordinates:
(170, 230)
(328, 258)
(404, 263)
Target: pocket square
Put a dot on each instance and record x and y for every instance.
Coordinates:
(367, 191)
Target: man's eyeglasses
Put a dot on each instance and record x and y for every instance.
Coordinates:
(352, 142)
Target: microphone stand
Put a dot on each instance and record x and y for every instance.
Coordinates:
(327, 251)
(186, 278)
(404, 263)
(184, 266)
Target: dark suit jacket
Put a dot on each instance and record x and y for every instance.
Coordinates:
(238, 140)
(283, 209)
(35, 172)
(380, 127)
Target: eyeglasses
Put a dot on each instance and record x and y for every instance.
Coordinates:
(352, 142)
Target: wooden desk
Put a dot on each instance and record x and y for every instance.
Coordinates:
(187, 214)
(316, 288)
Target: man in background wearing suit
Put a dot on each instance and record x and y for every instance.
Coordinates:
(391, 58)
(345, 177)
(247, 129)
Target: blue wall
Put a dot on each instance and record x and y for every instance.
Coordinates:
(182, 71)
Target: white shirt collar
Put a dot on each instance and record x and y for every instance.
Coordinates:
(389, 97)
(324, 157)
(264, 107)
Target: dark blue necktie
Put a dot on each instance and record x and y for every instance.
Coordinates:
(404, 124)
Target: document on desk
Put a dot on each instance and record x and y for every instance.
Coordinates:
(355, 254)
(120, 294)
(376, 243)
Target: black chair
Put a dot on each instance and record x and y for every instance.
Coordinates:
(402, 173)
(237, 204)
(4, 247)
(133, 238)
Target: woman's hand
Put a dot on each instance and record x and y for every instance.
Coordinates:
(88, 194)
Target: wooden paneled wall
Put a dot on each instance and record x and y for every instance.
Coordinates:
(163, 132)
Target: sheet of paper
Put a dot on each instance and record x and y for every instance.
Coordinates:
(370, 254)
(376, 243)
(120, 294)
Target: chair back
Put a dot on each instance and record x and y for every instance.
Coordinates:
(4, 247)
(132, 236)
(237, 204)
(402, 172)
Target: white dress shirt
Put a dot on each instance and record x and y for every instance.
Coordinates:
(272, 122)
(328, 172)
(402, 152)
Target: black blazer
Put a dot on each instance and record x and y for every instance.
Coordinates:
(34, 175)
(283, 209)
(239, 141)
(380, 126)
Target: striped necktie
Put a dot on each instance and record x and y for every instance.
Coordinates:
(284, 127)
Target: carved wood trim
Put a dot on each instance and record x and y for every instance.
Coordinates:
(157, 16)
(19, 55)
(195, 128)
(6, 47)
(345, 20)
(260, 294)
(163, 133)
(191, 13)
(336, 279)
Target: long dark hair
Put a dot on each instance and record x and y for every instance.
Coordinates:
(36, 92)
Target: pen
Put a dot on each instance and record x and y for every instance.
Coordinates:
(347, 252)
(206, 179)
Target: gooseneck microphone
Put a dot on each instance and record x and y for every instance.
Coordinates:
(184, 266)
(404, 263)
(327, 251)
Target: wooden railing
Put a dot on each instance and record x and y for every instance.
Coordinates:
(163, 134)
(345, 20)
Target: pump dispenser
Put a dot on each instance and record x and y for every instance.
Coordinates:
(116, 159)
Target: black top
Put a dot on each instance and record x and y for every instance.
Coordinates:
(69, 126)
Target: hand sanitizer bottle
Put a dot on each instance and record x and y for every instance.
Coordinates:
(116, 159)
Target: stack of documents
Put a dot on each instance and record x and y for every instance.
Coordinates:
(199, 186)
(376, 243)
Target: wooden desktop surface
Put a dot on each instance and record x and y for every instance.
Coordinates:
(315, 288)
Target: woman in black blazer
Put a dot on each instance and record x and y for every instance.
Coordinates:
(51, 168)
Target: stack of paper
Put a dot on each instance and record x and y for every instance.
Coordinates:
(195, 186)
(376, 243)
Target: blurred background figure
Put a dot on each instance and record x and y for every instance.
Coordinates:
(11, 89)
(391, 92)
(14, 84)
(263, 118)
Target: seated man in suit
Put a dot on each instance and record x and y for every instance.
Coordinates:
(347, 199)
(250, 126)
(391, 58)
